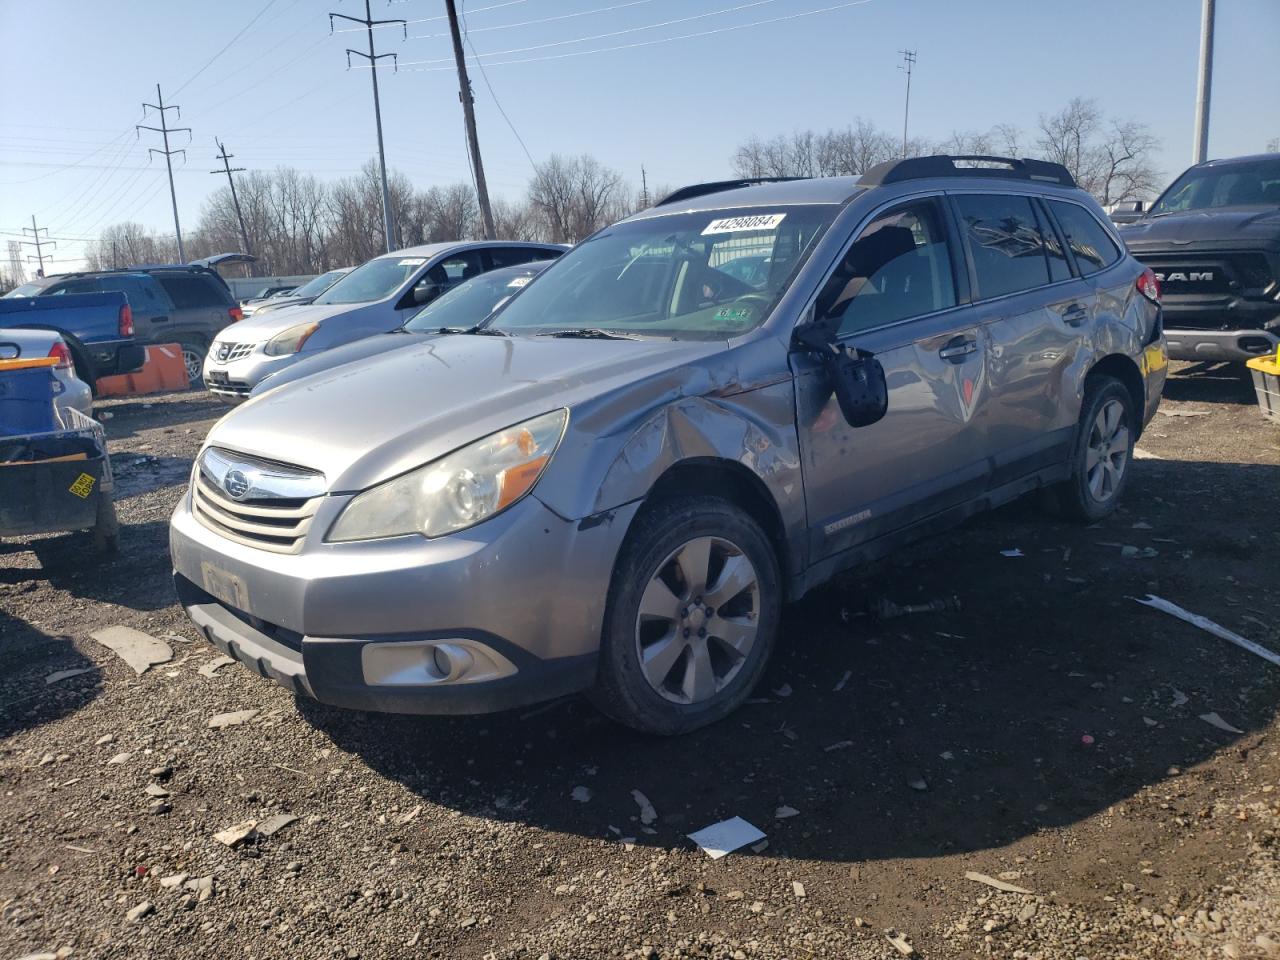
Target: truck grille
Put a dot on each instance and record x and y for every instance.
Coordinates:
(255, 502)
(1190, 274)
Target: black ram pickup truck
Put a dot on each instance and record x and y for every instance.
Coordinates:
(1213, 240)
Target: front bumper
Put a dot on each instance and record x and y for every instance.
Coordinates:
(233, 381)
(527, 585)
(1230, 345)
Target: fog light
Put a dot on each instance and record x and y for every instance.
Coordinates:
(440, 658)
(428, 662)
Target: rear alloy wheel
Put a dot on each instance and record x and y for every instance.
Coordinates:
(1103, 451)
(692, 612)
(193, 355)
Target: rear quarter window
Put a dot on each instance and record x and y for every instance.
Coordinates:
(189, 292)
(1089, 240)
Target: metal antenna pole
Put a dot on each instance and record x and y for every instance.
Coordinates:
(164, 130)
(468, 110)
(235, 199)
(1200, 152)
(36, 242)
(369, 23)
(908, 63)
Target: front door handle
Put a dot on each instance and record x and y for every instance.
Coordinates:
(958, 348)
(1075, 315)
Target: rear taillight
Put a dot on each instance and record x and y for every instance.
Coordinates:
(60, 351)
(126, 321)
(1149, 285)
(235, 313)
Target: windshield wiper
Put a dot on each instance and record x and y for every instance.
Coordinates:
(587, 333)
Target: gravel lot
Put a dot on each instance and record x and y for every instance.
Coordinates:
(1049, 736)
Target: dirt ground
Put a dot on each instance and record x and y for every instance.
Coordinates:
(1051, 736)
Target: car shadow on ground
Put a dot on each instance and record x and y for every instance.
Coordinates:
(1051, 696)
(1210, 383)
(138, 473)
(69, 562)
(27, 657)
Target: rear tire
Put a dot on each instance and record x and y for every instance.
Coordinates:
(669, 671)
(1102, 453)
(193, 354)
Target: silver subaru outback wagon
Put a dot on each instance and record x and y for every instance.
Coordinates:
(616, 481)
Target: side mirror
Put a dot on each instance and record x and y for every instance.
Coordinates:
(857, 377)
(425, 292)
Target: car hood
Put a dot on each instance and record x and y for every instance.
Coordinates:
(337, 356)
(263, 326)
(1224, 224)
(362, 423)
(277, 302)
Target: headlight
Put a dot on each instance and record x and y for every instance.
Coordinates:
(291, 340)
(458, 490)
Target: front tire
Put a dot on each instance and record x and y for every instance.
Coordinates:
(1102, 453)
(691, 618)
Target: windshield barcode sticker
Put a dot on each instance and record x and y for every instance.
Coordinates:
(762, 221)
(519, 282)
(413, 261)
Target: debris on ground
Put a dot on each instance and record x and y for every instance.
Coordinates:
(1204, 623)
(783, 691)
(843, 680)
(66, 674)
(647, 814)
(899, 942)
(798, 889)
(141, 910)
(139, 650)
(918, 783)
(236, 833)
(784, 812)
(233, 719)
(993, 882)
(1169, 411)
(581, 794)
(721, 839)
(1012, 552)
(275, 823)
(210, 668)
(886, 609)
(1130, 552)
(1213, 720)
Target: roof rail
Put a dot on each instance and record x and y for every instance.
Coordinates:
(716, 186)
(944, 165)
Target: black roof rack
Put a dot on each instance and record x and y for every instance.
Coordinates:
(715, 186)
(942, 165)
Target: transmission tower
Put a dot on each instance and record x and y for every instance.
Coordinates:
(17, 275)
(164, 130)
(369, 23)
(235, 199)
(38, 243)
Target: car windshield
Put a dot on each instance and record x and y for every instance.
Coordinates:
(32, 288)
(1249, 184)
(373, 280)
(470, 302)
(317, 285)
(708, 275)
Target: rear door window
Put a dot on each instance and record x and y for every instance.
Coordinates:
(510, 256)
(1090, 242)
(1005, 240)
(898, 268)
(459, 267)
(189, 292)
(86, 285)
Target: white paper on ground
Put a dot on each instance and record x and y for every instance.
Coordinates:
(1204, 623)
(724, 837)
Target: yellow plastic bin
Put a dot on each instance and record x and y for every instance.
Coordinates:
(1266, 384)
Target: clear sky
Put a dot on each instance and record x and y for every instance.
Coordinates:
(574, 76)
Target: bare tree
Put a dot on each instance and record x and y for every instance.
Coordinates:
(1112, 159)
(575, 196)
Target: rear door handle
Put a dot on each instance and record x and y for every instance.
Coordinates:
(1075, 315)
(958, 348)
(160, 319)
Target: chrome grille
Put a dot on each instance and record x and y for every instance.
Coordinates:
(227, 352)
(255, 502)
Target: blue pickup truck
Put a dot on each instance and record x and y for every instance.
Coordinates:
(98, 329)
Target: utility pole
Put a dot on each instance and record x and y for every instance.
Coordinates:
(468, 110)
(908, 63)
(1200, 151)
(36, 242)
(164, 130)
(644, 189)
(235, 199)
(369, 23)
(115, 262)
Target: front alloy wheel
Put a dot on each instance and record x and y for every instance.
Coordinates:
(698, 620)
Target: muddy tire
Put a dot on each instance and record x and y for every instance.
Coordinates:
(1102, 455)
(691, 617)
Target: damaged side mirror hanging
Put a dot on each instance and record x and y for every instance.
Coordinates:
(857, 377)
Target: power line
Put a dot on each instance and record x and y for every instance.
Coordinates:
(660, 40)
(492, 6)
(164, 130)
(373, 58)
(496, 102)
(209, 62)
(540, 20)
(606, 36)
